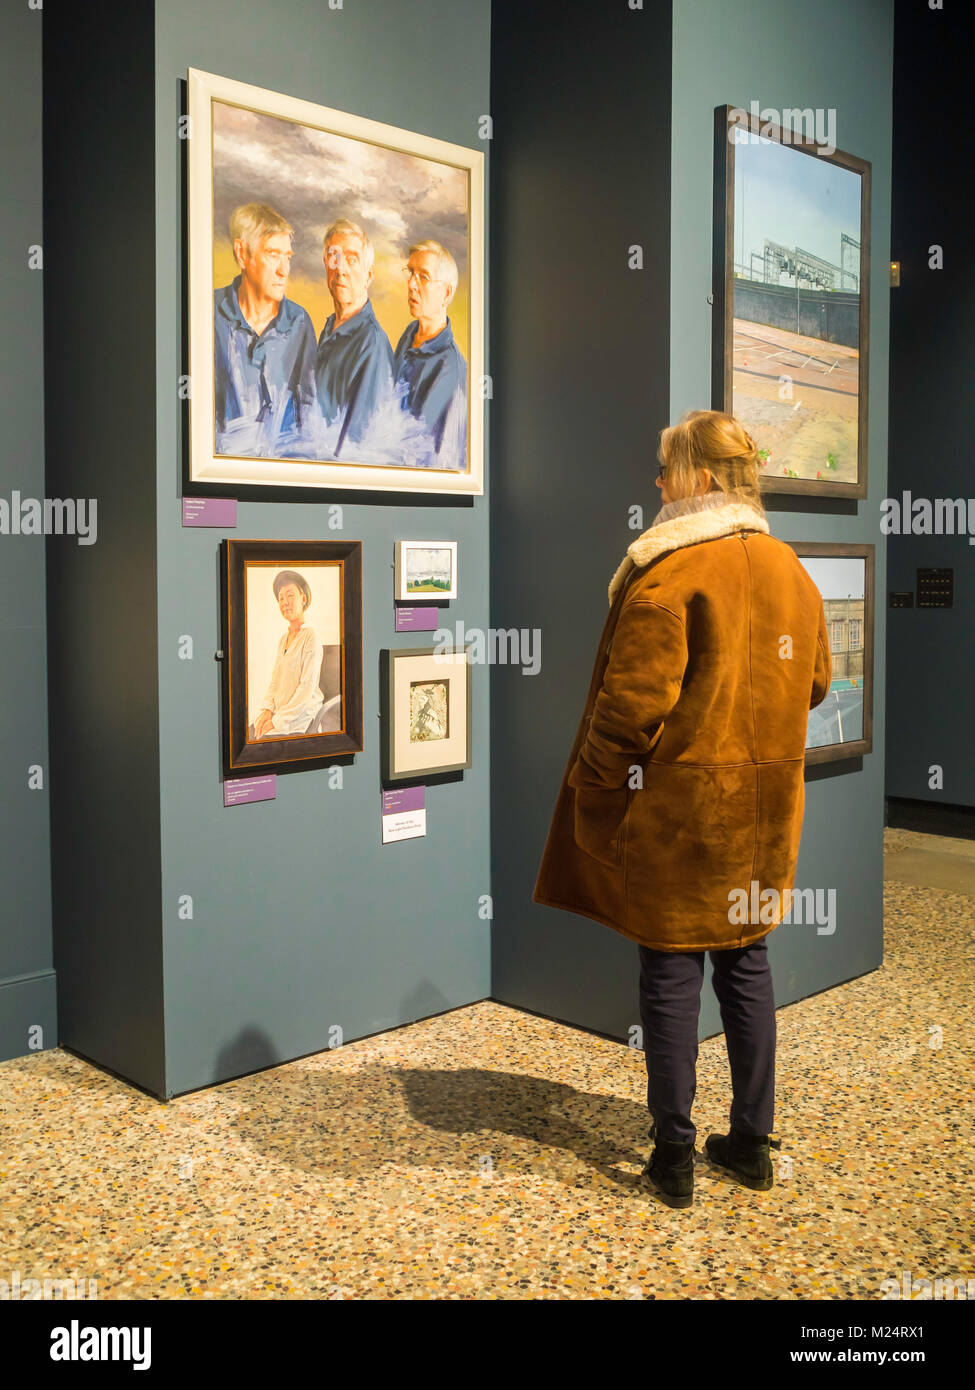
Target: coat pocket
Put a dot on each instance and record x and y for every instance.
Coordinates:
(598, 822)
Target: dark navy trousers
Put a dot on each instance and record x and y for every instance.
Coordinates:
(670, 999)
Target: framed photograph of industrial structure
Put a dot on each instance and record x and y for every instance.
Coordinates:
(292, 652)
(425, 696)
(842, 726)
(791, 289)
(425, 570)
(336, 269)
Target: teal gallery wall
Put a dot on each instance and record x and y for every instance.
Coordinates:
(302, 919)
(581, 450)
(304, 927)
(717, 60)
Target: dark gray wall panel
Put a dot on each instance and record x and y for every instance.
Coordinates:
(100, 431)
(580, 366)
(26, 949)
(931, 659)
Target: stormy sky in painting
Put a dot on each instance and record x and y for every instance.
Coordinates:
(312, 177)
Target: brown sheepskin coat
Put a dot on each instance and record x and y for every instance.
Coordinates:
(714, 651)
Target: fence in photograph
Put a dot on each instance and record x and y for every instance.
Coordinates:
(831, 316)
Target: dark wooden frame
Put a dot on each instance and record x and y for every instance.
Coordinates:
(388, 658)
(722, 324)
(825, 550)
(293, 750)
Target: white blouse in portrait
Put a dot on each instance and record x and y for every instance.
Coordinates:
(294, 696)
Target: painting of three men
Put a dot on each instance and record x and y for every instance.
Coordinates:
(342, 294)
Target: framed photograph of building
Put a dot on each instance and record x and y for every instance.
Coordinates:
(791, 289)
(426, 712)
(336, 286)
(292, 652)
(425, 570)
(842, 726)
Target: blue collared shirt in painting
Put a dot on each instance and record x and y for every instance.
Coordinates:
(435, 379)
(263, 383)
(354, 373)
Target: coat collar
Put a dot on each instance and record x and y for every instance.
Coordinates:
(702, 519)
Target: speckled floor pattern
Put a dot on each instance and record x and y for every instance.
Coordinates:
(490, 1154)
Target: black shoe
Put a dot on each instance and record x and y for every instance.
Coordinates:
(670, 1170)
(746, 1156)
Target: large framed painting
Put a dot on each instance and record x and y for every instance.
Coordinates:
(791, 282)
(842, 726)
(336, 270)
(292, 652)
(425, 706)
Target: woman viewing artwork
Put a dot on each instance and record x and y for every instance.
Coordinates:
(680, 813)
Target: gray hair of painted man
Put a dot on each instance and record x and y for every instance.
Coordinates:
(353, 229)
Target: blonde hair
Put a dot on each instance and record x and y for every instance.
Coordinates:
(718, 442)
(252, 221)
(446, 265)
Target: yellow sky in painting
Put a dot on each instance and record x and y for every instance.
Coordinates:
(311, 176)
(387, 292)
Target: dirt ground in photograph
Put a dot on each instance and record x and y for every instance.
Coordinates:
(821, 417)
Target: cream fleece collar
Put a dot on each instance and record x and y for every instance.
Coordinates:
(686, 523)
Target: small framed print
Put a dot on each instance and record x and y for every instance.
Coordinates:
(426, 712)
(425, 570)
(842, 726)
(293, 652)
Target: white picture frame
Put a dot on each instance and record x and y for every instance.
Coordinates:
(425, 571)
(335, 137)
(427, 712)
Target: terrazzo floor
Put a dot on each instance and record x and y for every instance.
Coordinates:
(490, 1154)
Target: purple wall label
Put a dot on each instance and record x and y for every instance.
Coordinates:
(210, 511)
(404, 814)
(237, 790)
(425, 619)
(405, 799)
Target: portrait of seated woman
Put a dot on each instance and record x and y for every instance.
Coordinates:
(294, 699)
